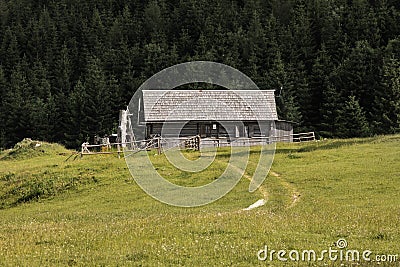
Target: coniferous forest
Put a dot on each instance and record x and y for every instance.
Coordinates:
(67, 67)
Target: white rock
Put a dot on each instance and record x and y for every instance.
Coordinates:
(259, 203)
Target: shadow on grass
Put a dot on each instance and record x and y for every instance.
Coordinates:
(323, 145)
(288, 148)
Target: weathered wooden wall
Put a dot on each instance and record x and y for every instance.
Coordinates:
(284, 131)
(205, 129)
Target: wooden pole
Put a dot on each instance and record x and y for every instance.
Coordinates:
(198, 142)
(159, 145)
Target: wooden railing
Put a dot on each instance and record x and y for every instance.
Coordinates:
(194, 142)
(222, 142)
(300, 137)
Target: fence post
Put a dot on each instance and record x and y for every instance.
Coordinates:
(198, 142)
(159, 145)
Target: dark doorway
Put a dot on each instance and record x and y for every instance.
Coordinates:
(209, 130)
(205, 130)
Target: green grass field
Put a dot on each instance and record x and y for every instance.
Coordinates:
(90, 211)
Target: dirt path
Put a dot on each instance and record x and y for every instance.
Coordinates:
(262, 189)
(293, 192)
(289, 187)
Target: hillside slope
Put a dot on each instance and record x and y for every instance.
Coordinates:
(90, 211)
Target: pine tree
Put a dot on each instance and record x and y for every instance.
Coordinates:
(3, 84)
(283, 83)
(17, 108)
(387, 21)
(9, 51)
(129, 72)
(289, 109)
(387, 102)
(153, 21)
(300, 57)
(55, 127)
(63, 71)
(360, 75)
(303, 95)
(318, 84)
(232, 55)
(352, 121)
(38, 80)
(304, 45)
(333, 35)
(3, 92)
(78, 131)
(98, 114)
(57, 100)
(96, 34)
(37, 116)
(329, 110)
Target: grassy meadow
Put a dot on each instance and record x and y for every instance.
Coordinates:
(90, 212)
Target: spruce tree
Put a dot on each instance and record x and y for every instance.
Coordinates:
(98, 112)
(329, 111)
(38, 80)
(9, 52)
(360, 75)
(387, 102)
(280, 80)
(318, 84)
(3, 92)
(78, 131)
(352, 121)
(17, 108)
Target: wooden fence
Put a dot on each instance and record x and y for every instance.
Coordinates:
(195, 142)
(136, 146)
(255, 141)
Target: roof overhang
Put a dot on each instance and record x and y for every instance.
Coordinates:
(209, 105)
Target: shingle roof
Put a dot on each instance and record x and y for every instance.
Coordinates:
(218, 105)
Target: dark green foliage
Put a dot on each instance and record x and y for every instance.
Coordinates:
(75, 133)
(387, 101)
(67, 67)
(351, 120)
(329, 111)
(280, 80)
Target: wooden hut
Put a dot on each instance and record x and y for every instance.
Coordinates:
(211, 114)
